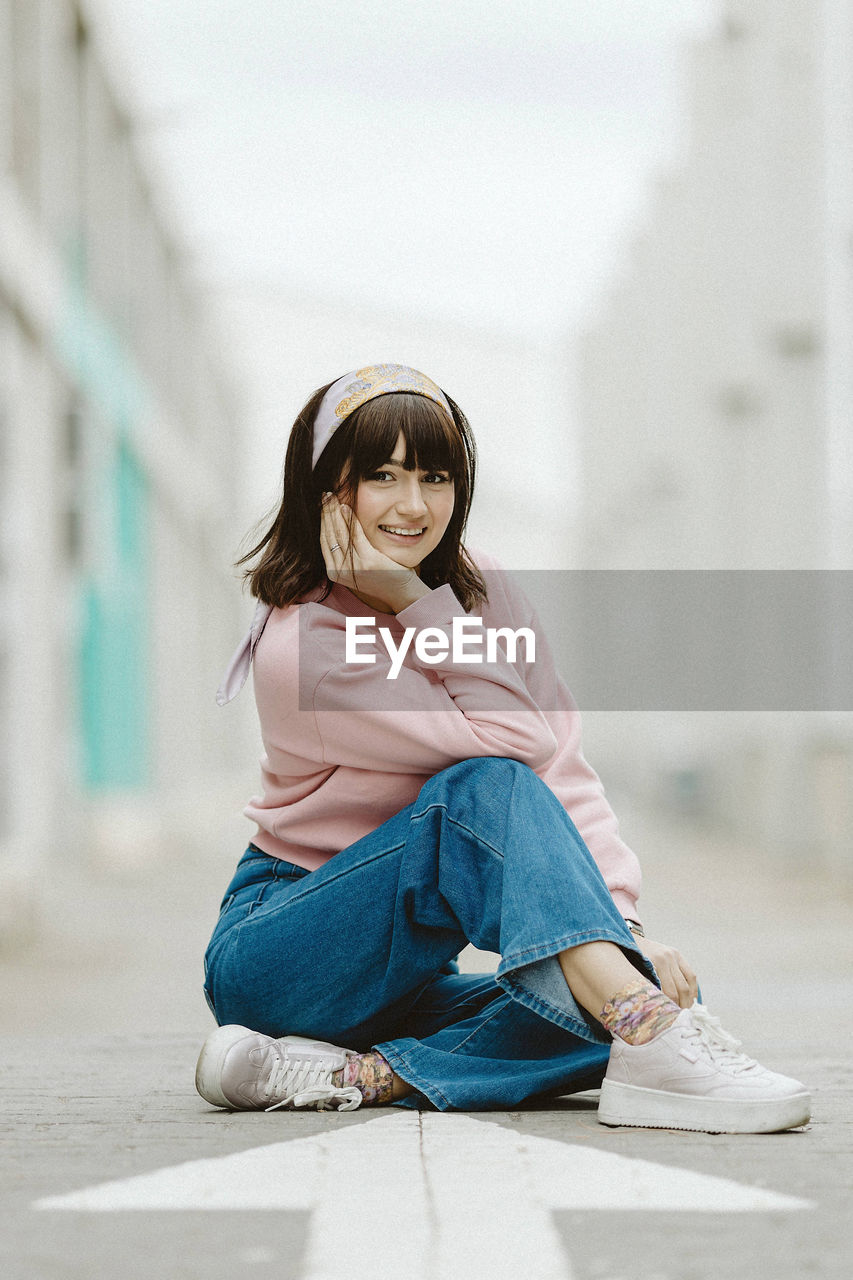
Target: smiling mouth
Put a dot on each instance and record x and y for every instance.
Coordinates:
(396, 532)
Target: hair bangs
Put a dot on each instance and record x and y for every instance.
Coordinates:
(432, 440)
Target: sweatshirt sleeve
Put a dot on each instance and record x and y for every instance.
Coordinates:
(432, 715)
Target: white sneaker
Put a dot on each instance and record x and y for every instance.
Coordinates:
(694, 1077)
(247, 1071)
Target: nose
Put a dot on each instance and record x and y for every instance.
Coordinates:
(410, 503)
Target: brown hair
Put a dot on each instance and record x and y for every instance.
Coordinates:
(291, 560)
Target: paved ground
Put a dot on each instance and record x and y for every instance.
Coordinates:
(101, 1024)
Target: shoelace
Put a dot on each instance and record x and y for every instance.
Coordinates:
(306, 1082)
(719, 1044)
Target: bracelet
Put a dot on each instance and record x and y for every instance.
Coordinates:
(636, 928)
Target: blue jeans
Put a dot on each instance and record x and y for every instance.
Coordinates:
(361, 951)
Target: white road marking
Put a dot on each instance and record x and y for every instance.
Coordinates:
(465, 1197)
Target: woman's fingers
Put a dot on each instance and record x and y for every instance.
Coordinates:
(685, 980)
(360, 554)
(356, 536)
(682, 982)
(346, 549)
(668, 984)
(328, 556)
(681, 988)
(677, 979)
(330, 543)
(692, 984)
(338, 528)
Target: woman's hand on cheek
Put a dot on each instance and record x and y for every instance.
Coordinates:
(353, 561)
(334, 548)
(346, 549)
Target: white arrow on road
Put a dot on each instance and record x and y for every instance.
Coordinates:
(464, 1197)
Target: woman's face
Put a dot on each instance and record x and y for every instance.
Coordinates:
(404, 513)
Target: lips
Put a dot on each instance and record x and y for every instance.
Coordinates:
(401, 534)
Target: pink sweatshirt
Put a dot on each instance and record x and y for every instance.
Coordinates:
(346, 748)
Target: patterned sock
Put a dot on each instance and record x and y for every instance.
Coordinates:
(371, 1075)
(639, 1012)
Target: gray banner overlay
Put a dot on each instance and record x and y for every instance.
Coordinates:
(700, 640)
(687, 640)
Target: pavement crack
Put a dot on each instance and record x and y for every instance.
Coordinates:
(432, 1217)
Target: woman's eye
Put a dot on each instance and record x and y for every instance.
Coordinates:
(431, 477)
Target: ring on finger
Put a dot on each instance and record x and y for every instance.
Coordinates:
(336, 547)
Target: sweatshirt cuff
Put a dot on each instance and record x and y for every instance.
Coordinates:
(626, 905)
(438, 609)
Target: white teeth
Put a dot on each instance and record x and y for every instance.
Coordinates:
(406, 533)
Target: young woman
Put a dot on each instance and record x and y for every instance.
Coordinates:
(420, 793)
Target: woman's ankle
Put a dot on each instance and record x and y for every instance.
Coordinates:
(374, 1078)
(400, 1089)
(639, 1012)
(594, 971)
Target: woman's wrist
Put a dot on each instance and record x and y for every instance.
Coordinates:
(411, 590)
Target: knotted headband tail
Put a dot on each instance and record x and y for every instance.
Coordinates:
(237, 671)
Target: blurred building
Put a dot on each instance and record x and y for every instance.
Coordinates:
(716, 387)
(118, 442)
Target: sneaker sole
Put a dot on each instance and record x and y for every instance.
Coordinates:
(211, 1063)
(627, 1104)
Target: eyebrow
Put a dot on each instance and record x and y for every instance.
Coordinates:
(400, 462)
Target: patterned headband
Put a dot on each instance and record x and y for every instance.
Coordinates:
(354, 389)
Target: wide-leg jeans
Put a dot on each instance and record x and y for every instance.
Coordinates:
(361, 951)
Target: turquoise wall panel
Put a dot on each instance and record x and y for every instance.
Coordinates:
(114, 664)
(113, 646)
